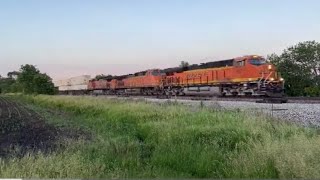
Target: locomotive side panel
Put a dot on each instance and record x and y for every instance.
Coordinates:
(99, 85)
(150, 80)
(201, 77)
(91, 85)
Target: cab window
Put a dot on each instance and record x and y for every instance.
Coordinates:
(257, 62)
(156, 73)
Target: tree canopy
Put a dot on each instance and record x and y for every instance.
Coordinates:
(28, 80)
(300, 67)
(13, 74)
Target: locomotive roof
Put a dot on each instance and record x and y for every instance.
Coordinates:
(212, 64)
(141, 73)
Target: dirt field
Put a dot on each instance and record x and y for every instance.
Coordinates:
(23, 130)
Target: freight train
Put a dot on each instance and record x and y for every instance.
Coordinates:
(242, 76)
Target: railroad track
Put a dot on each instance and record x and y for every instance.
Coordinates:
(309, 100)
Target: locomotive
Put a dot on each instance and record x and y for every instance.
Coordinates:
(248, 75)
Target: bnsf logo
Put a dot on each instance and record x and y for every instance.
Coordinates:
(196, 75)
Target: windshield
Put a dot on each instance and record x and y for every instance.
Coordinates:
(257, 62)
(157, 73)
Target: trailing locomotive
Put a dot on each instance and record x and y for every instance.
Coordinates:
(242, 76)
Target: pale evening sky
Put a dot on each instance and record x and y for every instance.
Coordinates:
(73, 37)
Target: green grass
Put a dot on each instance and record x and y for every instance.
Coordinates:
(139, 139)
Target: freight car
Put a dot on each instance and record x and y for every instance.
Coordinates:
(73, 86)
(243, 76)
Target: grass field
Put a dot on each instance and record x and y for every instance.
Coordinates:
(119, 138)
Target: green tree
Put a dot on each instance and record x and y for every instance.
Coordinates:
(300, 67)
(13, 74)
(43, 84)
(5, 84)
(26, 76)
(15, 87)
(32, 81)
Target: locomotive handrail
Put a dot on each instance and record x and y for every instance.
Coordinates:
(267, 77)
(262, 75)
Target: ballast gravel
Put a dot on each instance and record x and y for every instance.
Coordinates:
(303, 114)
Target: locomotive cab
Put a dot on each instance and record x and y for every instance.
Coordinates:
(259, 67)
(267, 77)
(267, 70)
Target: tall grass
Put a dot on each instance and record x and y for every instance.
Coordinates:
(139, 139)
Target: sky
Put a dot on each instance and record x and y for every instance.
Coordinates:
(66, 38)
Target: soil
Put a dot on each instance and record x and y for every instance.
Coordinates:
(23, 130)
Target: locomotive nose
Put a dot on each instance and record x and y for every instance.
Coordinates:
(270, 67)
(272, 72)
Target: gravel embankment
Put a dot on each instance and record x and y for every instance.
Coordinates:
(304, 114)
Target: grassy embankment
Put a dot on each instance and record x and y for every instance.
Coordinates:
(137, 139)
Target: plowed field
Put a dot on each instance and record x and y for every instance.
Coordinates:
(23, 130)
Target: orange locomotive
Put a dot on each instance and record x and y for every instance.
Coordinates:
(100, 86)
(146, 82)
(248, 75)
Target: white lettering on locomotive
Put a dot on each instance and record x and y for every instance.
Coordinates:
(197, 75)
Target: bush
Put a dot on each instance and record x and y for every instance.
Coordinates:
(313, 91)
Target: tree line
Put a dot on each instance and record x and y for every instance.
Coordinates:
(299, 65)
(28, 80)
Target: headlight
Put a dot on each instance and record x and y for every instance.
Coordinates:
(271, 79)
(269, 67)
(281, 79)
